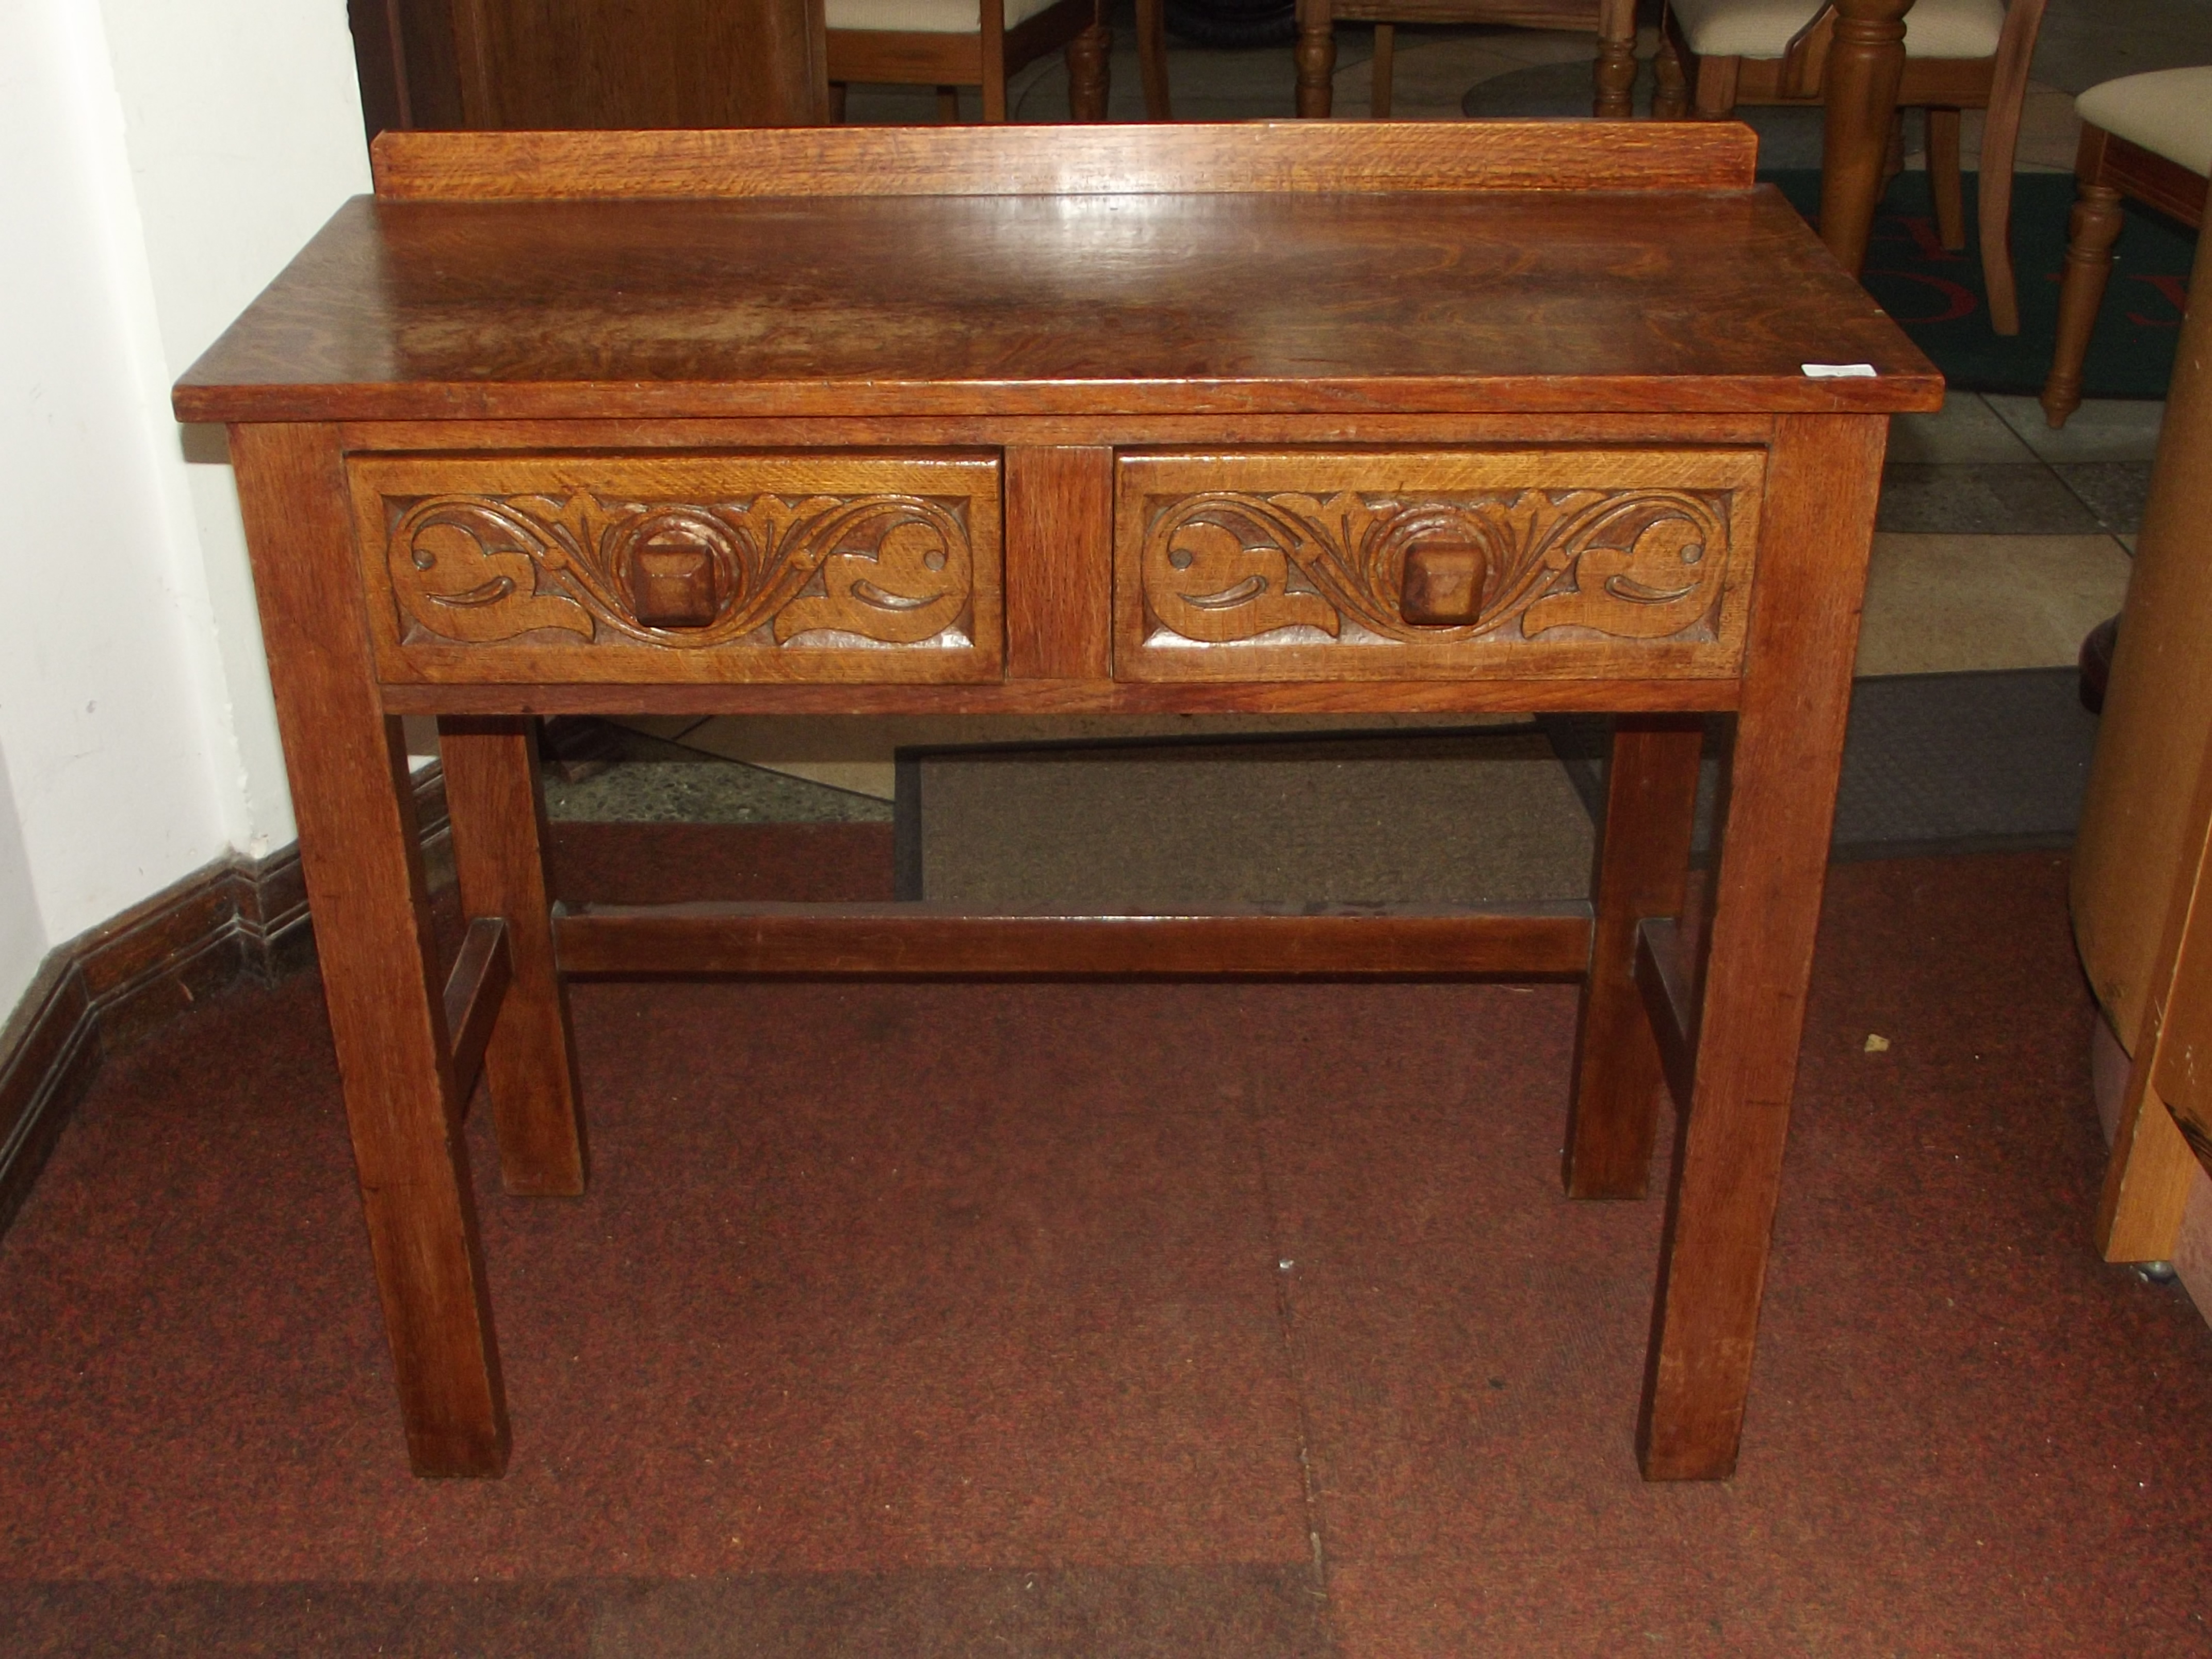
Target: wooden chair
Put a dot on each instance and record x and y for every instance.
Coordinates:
(950, 43)
(2147, 137)
(1613, 22)
(1959, 55)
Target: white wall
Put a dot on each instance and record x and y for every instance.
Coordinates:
(159, 163)
(22, 938)
(243, 123)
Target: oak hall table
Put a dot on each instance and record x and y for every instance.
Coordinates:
(1267, 417)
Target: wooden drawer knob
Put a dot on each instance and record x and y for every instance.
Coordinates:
(672, 581)
(1443, 585)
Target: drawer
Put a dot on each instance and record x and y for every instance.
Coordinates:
(1290, 565)
(626, 567)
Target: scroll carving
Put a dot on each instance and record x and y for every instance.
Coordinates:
(1642, 563)
(886, 569)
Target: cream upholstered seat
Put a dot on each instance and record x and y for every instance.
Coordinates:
(1959, 54)
(922, 16)
(2147, 137)
(2166, 112)
(949, 44)
(1765, 28)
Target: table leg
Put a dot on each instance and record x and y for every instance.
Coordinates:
(1821, 482)
(498, 808)
(1316, 57)
(1642, 865)
(1865, 62)
(360, 853)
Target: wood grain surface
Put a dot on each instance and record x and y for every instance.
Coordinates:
(1643, 861)
(1229, 157)
(1353, 942)
(1669, 1003)
(1378, 427)
(348, 767)
(497, 798)
(1499, 694)
(838, 566)
(1821, 487)
(474, 991)
(1239, 564)
(678, 63)
(1059, 562)
(1339, 304)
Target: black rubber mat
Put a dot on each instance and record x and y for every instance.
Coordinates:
(1180, 825)
(1933, 764)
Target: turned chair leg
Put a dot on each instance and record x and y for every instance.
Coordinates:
(2094, 228)
(1944, 180)
(2000, 140)
(1714, 99)
(1670, 98)
(1152, 58)
(1316, 58)
(1088, 58)
(1614, 77)
(1997, 275)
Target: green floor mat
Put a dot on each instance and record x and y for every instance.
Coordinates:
(1938, 296)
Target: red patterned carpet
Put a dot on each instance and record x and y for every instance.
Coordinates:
(1060, 1320)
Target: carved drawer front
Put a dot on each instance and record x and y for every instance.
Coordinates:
(1437, 564)
(633, 568)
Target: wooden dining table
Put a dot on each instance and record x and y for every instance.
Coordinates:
(1266, 418)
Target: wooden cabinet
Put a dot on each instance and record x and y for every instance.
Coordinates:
(2142, 865)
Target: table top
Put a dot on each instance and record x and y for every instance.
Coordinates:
(1163, 301)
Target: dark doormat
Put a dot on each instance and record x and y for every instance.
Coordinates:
(1934, 763)
(1182, 825)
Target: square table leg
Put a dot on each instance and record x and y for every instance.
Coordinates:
(1819, 529)
(1642, 868)
(497, 803)
(362, 861)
